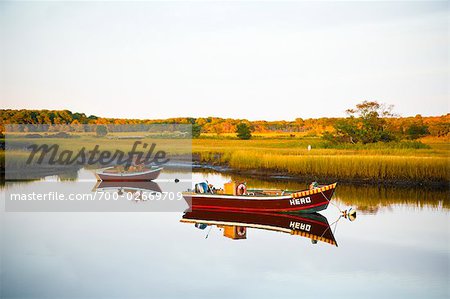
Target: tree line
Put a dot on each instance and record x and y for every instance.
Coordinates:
(367, 122)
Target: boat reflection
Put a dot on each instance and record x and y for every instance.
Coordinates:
(235, 224)
(127, 186)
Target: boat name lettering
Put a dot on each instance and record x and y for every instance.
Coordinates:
(300, 226)
(299, 201)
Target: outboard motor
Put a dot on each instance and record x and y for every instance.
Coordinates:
(201, 226)
(201, 188)
(313, 185)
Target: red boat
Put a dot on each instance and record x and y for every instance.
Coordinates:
(236, 197)
(235, 224)
(111, 174)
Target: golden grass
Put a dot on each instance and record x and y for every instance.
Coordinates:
(292, 157)
(346, 166)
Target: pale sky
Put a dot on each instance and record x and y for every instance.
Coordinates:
(254, 60)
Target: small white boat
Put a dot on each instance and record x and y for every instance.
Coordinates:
(111, 174)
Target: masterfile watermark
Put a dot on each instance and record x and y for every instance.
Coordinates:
(96, 196)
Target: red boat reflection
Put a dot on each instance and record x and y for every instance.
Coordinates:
(313, 226)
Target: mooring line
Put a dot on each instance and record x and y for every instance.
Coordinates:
(330, 201)
(210, 228)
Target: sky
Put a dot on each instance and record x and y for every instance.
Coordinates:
(253, 60)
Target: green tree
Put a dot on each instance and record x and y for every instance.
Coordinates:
(416, 130)
(366, 123)
(243, 131)
(196, 130)
(101, 130)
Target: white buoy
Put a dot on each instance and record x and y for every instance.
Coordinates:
(351, 214)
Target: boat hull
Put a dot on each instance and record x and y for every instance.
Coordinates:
(307, 201)
(121, 177)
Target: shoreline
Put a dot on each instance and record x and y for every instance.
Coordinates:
(273, 176)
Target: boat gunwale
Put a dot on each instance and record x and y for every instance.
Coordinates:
(123, 174)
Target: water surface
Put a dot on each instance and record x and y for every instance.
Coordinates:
(398, 247)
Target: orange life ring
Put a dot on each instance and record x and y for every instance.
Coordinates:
(241, 231)
(241, 189)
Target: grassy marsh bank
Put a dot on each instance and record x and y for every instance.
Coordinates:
(396, 162)
(405, 162)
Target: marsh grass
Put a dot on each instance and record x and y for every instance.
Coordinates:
(406, 161)
(376, 167)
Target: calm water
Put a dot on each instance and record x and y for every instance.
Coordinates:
(398, 247)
